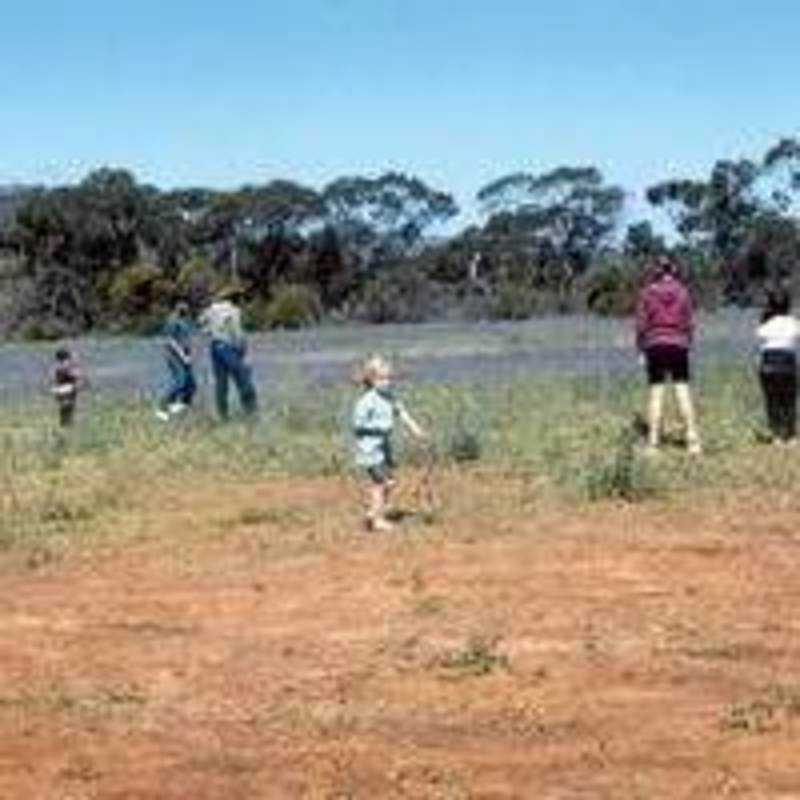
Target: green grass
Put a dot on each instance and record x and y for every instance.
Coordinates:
(574, 436)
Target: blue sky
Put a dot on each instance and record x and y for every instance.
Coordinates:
(187, 93)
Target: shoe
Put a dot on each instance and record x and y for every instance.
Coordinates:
(373, 524)
(162, 415)
(695, 449)
(177, 408)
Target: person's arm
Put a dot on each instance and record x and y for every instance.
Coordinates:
(204, 322)
(81, 378)
(174, 346)
(690, 317)
(641, 321)
(410, 423)
(236, 330)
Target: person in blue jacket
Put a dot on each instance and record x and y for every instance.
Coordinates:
(178, 333)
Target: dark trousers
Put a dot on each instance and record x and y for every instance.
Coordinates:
(182, 385)
(66, 411)
(778, 375)
(228, 363)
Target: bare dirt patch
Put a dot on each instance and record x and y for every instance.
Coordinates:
(250, 642)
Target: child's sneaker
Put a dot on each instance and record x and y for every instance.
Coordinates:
(162, 415)
(177, 408)
(378, 524)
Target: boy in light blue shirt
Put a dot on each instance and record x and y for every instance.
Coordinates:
(373, 422)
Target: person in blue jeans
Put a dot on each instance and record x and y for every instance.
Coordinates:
(178, 332)
(222, 320)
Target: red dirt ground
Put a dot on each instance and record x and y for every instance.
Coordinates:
(249, 643)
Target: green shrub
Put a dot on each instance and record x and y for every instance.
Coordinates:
(399, 295)
(512, 301)
(42, 330)
(611, 291)
(292, 305)
(197, 281)
(463, 446)
(621, 474)
(140, 290)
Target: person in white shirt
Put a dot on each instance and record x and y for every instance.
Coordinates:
(778, 335)
(222, 321)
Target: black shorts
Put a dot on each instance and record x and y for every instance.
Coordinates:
(380, 474)
(667, 361)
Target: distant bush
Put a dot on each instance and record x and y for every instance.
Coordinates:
(512, 301)
(400, 295)
(197, 281)
(43, 330)
(138, 294)
(611, 290)
(292, 305)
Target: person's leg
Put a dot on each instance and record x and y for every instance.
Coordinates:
(243, 378)
(686, 408)
(174, 387)
(770, 390)
(655, 409)
(655, 398)
(679, 369)
(66, 413)
(377, 495)
(189, 386)
(785, 405)
(219, 366)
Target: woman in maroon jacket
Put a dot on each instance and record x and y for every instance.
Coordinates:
(664, 332)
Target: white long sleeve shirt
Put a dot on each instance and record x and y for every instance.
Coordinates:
(223, 322)
(778, 333)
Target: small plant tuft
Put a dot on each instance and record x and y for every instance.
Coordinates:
(478, 657)
(620, 475)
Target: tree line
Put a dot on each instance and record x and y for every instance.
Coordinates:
(112, 253)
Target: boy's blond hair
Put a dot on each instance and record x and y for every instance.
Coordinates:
(372, 370)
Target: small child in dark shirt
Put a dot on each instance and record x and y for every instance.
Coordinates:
(67, 380)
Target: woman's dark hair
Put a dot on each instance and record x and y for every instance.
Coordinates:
(778, 303)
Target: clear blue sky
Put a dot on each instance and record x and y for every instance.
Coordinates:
(459, 93)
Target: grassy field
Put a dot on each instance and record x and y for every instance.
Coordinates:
(193, 610)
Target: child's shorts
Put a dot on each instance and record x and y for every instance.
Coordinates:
(380, 474)
(666, 360)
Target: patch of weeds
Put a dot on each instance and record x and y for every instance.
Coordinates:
(620, 475)
(731, 652)
(478, 657)
(149, 628)
(755, 717)
(222, 764)
(766, 714)
(280, 517)
(463, 446)
(44, 555)
(58, 699)
(430, 605)
(57, 509)
(416, 777)
(81, 769)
